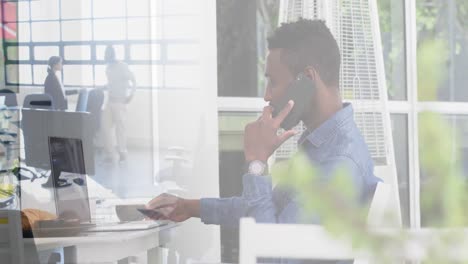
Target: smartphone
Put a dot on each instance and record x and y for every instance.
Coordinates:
(153, 214)
(300, 91)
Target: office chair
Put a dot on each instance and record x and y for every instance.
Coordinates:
(10, 97)
(91, 101)
(38, 101)
(95, 100)
(82, 101)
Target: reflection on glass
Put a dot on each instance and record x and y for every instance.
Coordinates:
(40, 74)
(18, 53)
(442, 36)
(25, 74)
(24, 32)
(12, 73)
(76, 9)
(156, 75)
(139, 28)
(76, 30)
(45, 31)
(145, 52)
(119, 52)
(77, 52)
(44, 10)
(109, 29)
(178, 7)
(180, 27)
(140, 8)
(142, 75)
(183, 52)
(109, 8)
(173, 76)
(100, 75)
(156, 27)
(19, 73)
(23, 11)
(78, 75)
(45, 52)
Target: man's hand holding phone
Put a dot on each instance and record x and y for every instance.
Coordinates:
(261, 138)
(173, 208)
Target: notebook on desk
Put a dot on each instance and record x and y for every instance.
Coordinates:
(72, 202)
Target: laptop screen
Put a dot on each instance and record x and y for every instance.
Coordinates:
(67, 160)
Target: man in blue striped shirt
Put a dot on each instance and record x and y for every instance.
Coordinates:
(332, 140)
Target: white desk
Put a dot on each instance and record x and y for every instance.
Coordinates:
(105, 247)
(97, 247)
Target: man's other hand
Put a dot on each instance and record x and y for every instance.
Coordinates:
(261, 138)
(173, 208)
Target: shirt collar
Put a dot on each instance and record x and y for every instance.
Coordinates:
(329, 128)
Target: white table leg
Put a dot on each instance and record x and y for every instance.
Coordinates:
(156, 256)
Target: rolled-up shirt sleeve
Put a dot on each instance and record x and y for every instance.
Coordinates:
(256, 201)
(222, 211)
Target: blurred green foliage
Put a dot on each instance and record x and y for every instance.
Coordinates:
(432, 56)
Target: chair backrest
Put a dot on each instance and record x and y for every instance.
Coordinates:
(304, 241)
(82, 103)
(95, 101)
(11, 237)
(10, 97)
(94, 107)
(38, 101)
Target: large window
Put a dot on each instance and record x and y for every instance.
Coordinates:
(149, 35)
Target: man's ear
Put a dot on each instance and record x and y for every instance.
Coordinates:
(311, 73)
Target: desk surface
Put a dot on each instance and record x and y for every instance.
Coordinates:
(46, 243)
(107, 246)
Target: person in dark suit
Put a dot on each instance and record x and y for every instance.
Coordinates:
(54, 87)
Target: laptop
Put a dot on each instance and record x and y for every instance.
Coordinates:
(72, 201)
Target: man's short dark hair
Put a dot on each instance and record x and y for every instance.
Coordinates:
(308, 43)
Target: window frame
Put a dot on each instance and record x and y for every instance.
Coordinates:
(162, 43)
